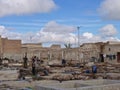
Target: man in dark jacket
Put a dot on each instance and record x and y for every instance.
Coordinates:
(25, 60)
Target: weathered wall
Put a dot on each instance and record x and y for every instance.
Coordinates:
(55, 52)
(81, 85)
(34, 45)
(111, 50)
(10, 48)
(13, 49)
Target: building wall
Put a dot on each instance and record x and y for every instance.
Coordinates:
(34, 45)
(10, 48)
(110, 51)
(84, 53)
(13, 49)
(55, 52)
(42, 53)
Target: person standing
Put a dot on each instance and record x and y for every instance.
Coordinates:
(34, 65)
(63, 62)
(0, 61)
(33, 68)
(25, 60)
(94, 71)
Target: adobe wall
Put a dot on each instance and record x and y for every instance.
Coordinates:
(55, 52)
(34, 45)
(13, 49)
(10, 48)
(110, 50)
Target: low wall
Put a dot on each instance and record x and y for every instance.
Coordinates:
(82, 85)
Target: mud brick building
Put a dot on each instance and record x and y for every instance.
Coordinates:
(100, 51)
(44, 53)
(111, 50)
(10, 48)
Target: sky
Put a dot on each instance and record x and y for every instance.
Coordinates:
(57, 21)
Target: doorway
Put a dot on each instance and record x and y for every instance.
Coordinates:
(118, 57)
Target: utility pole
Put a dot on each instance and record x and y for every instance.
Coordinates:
(31, 37)
(78, 28)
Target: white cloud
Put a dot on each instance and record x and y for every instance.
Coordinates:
(19, 7)
(56, 35)
(108, 31)
(3, 30)
(56, 28)
(54, 32)
(110, 9)
(88, 35)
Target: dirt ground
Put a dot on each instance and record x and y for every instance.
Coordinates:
(9, 81)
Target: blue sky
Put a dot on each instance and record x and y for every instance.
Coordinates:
(56, 21)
